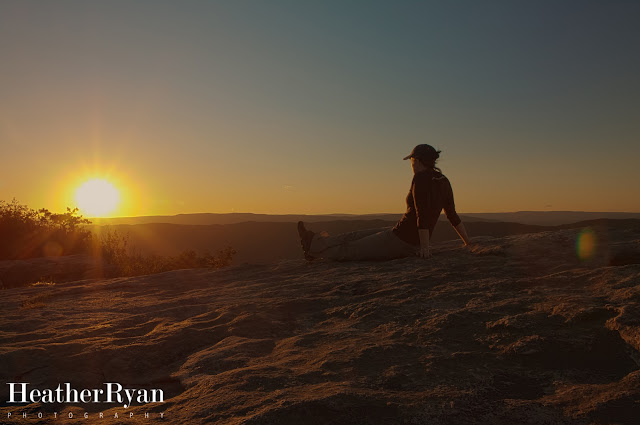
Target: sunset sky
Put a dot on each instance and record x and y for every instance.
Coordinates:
(309, 107)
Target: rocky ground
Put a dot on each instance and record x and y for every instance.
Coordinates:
(515, 330)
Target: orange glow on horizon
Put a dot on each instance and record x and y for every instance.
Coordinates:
(98, 191)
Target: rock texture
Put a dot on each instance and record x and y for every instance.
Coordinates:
(50, 269)
(516, 330)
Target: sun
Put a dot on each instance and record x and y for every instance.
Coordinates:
(97, 197)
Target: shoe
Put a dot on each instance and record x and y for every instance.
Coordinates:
(305, 240)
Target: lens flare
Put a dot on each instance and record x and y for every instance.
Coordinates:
(586, 244)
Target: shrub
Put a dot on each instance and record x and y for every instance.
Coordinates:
(114, 249)
(27, 233)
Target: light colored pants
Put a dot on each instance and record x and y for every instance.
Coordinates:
(370, 244)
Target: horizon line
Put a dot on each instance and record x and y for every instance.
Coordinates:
(357, 214)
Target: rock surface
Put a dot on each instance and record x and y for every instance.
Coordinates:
(45, 269)
(515, 330)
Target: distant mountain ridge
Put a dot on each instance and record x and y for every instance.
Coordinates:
(540, 218)
(552, 218)
(265, 242)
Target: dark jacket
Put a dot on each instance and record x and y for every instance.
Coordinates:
(430, 192)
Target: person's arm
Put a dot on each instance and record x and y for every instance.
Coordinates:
(450, 211)
(462, 232)
(424, 243)
(420, 192)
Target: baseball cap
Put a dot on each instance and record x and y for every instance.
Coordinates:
(423, 151)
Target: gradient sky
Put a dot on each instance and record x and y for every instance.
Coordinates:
(309, 107)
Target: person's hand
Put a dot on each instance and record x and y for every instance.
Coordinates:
(424, 253)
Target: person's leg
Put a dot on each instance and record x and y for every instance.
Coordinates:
(382, 245)
(320, 243)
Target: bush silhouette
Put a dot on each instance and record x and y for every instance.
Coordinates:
(27, 233)
(114, 248)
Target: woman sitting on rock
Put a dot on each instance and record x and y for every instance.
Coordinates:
(430, 192)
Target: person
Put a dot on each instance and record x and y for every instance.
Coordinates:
(429, 194)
